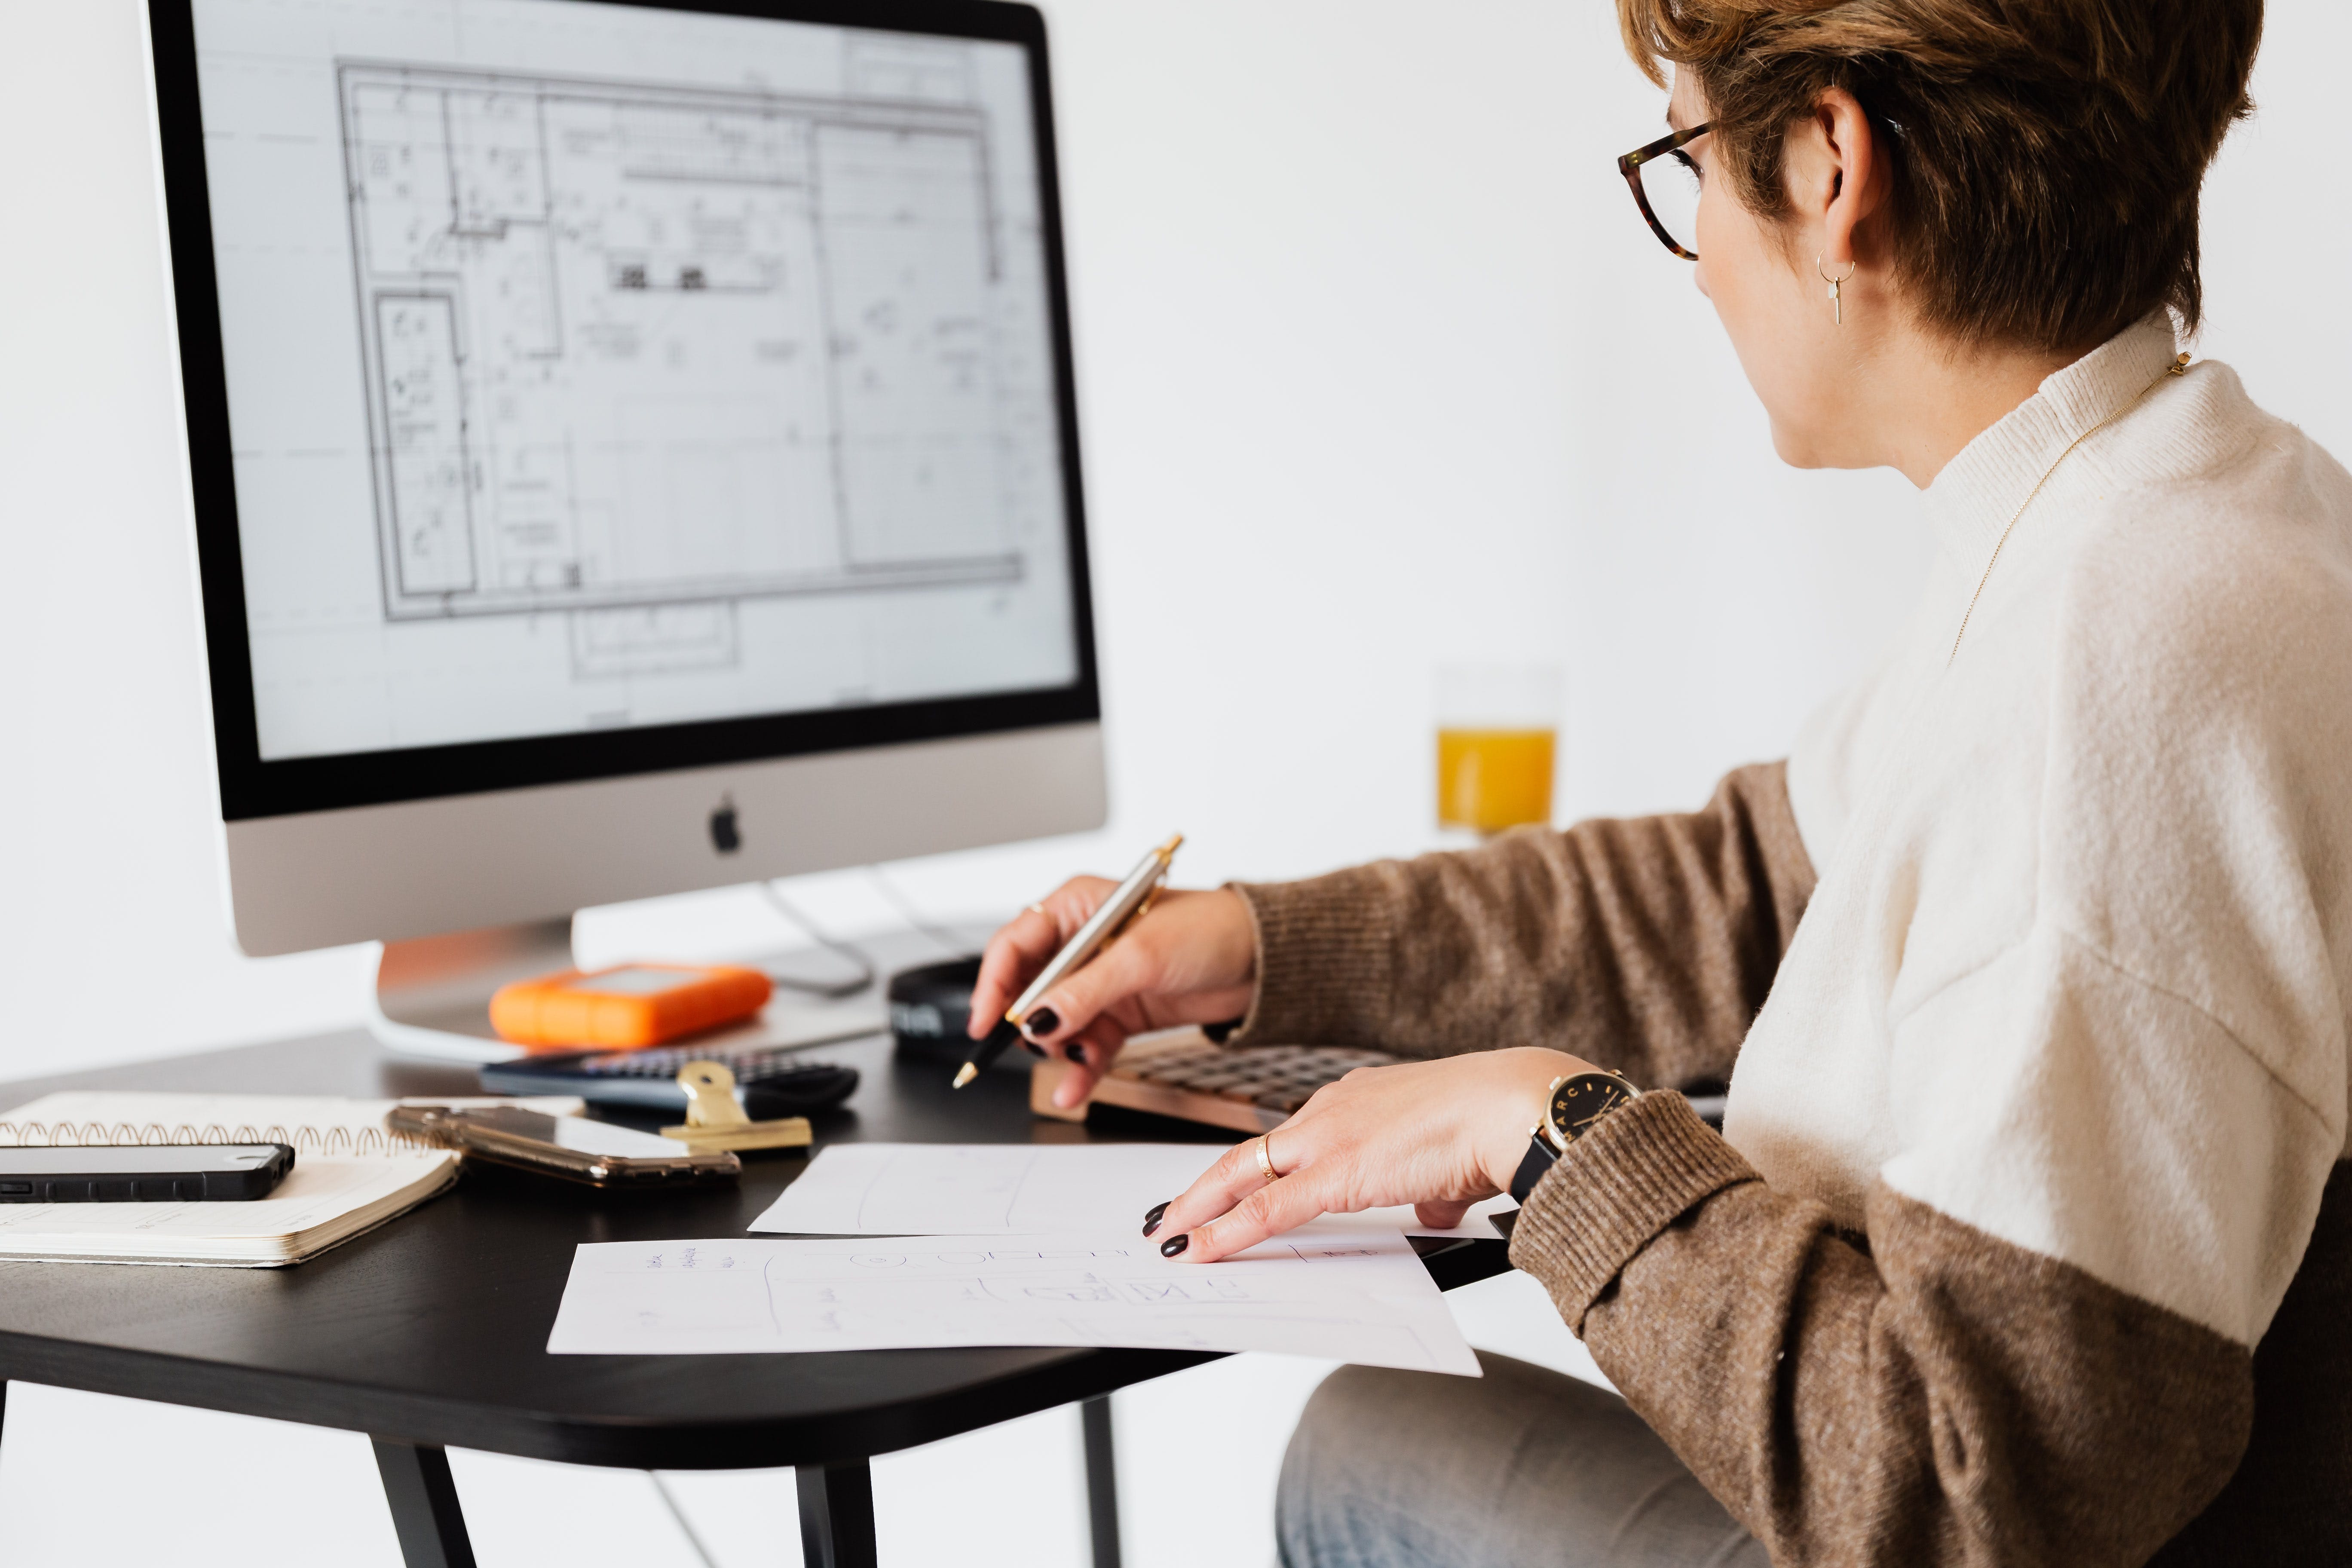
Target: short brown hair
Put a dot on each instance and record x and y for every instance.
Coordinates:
(2047, 154)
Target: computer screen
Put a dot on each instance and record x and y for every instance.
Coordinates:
(602, 387)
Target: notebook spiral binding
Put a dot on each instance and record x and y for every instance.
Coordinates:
(331, 1143)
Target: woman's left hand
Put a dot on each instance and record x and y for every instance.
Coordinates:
(1439, 1135)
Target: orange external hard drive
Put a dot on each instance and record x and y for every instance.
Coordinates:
(632, 1005)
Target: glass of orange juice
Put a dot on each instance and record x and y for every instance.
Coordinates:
(1497, 732)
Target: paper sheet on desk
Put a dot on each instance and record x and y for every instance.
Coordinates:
(1344, 1295)
(1011, 1189)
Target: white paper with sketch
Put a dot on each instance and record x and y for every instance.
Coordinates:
(1350, 1296)
(1019, 1189)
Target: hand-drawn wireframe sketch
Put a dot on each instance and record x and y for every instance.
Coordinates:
(631, 348)
(1343, 1295)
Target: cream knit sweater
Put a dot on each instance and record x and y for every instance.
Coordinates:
(2028, 1241)
(2075, 971)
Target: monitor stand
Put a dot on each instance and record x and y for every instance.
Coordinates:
(431, 995)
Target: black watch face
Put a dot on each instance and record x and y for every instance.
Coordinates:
(1584, 1099)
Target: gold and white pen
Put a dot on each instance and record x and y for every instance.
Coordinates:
(1125, 905)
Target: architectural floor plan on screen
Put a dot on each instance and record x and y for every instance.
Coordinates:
(640, 351)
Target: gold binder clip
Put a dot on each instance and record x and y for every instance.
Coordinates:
(714, 1121)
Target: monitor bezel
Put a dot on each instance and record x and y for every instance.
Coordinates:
(251, 787)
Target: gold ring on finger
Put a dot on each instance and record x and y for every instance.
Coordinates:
(1265, 1158)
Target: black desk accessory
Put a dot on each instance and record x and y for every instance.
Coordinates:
(775, 1080)
(431, 1330)
(144, 1172)
(931, 1006)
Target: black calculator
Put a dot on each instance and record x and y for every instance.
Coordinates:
(773, 1080)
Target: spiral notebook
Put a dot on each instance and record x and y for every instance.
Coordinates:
(349, 1176)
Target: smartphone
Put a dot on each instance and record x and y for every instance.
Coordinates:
(572, 1147)
(143, 1173)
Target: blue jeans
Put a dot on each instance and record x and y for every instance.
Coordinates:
(1523, 1467)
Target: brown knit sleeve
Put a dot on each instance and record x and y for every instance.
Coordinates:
(1646, 944)
(1926, 1394)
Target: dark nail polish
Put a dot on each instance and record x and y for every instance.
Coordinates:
(1175, 1244)
(1075, 1051)
(1153, 1217)
(1040, 1023)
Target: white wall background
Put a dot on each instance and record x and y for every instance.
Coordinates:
(1379, 370)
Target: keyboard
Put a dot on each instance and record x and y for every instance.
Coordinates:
(1183, 1075)
(773, 1081)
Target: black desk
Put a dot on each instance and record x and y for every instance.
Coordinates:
(431, 1330)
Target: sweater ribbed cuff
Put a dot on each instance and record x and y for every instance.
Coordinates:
(1323, 960)
(1638, 1171)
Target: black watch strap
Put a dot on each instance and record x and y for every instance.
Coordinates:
(1541, 1157)
(1574, 1104)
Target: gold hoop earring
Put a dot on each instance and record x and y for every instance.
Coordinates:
(1837, 300)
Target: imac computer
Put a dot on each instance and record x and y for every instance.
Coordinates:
(632, 450)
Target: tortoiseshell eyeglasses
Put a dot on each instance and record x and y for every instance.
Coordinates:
(1669, 198)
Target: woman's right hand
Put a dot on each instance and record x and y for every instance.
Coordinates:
(1192, 959)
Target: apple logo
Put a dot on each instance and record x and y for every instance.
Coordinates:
(724, 836)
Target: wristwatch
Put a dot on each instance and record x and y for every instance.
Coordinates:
(1571, 1106)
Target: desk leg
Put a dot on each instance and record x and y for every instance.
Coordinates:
(836, 1515)
(1102, 1479)
(424, 1498)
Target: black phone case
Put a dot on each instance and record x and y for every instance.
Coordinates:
(100, 1184)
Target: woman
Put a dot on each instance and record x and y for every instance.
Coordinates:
(2026, 1238)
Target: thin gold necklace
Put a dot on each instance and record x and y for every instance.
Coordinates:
(2178, 367)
